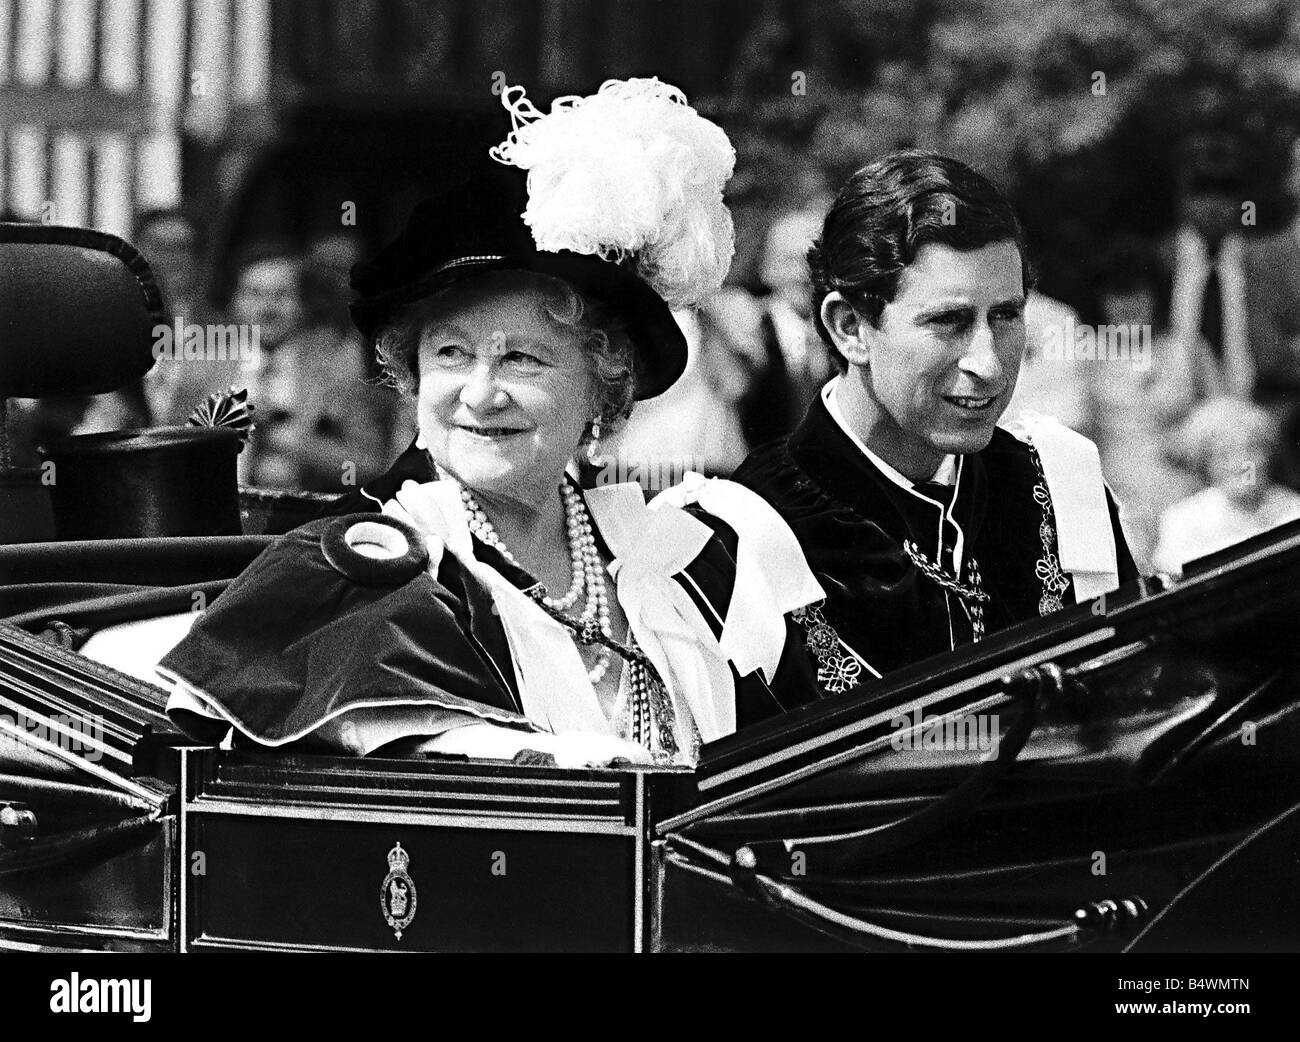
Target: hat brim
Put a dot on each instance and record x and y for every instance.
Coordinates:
(658, 344)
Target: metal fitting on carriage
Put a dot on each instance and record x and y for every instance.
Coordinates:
(17, 824)
(1110, 916)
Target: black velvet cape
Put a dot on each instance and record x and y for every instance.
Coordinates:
(852, 521)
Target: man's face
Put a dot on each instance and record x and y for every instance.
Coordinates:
(170, 246)
(785, 258)
(266, 295)
(944, 361)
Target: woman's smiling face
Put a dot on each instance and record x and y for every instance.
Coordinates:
(505, 390)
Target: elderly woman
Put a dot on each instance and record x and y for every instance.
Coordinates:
(1232, 445)
(487, 604)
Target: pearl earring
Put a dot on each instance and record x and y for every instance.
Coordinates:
(592, 455)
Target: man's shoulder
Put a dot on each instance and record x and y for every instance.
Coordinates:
(1014, 438)
(1008, 456)
(1005, 442)
(1011, 457)
(767, 467)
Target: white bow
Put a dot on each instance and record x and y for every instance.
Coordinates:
(772, 574)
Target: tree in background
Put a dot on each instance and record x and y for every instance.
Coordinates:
(1076, 106)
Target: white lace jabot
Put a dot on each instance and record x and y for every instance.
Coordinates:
(650, 544)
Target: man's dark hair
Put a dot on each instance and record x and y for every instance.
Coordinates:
(887, 211)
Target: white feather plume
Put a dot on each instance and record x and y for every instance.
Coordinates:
(630, 172)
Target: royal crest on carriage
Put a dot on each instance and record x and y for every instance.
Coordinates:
(397, 893)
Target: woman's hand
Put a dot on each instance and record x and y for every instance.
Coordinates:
(573, 749)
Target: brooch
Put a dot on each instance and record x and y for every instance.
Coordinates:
(836, 672)
(397, 892)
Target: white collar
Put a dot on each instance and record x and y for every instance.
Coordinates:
(944, 474)
(649, 547)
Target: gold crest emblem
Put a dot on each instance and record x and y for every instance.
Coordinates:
(397, 893)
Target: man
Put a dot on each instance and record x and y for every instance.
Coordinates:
(797, 365)
(262, 312)
(1275, 315)
(1233, 286)
(324, 425)
(170, 239)
(927, 526)
(1217, 286)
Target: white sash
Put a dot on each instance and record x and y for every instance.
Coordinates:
(1084, 536)
(772, 574)
(649, 547)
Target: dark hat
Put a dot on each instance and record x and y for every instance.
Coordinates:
(163, 481)
(476, 225)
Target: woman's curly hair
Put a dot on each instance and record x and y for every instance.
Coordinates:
(602, 335)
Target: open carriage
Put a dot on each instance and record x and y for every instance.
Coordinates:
(1117, 776)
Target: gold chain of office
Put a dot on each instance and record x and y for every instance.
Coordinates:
(972, 595)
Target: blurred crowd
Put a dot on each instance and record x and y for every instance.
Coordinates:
(1184, 368)
(1185, 373)
(322, 420)
(1187, 377)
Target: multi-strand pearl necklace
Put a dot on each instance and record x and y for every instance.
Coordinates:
(588, 569)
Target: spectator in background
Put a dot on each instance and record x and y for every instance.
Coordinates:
(265, 308)
(1132, 402)
(798, 363)
(262, 311)
(322, 426)
(268, 293)
(1275, 320)
(1233, 444)
(171, 241)
(696, 423)
(732, 353)
(1049, 383)
(1239, 291)
(337, 252)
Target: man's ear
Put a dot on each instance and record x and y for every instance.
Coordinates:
(851, 333)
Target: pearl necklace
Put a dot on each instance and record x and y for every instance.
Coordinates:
(588, 569)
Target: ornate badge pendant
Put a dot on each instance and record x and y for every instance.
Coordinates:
(397, 893)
